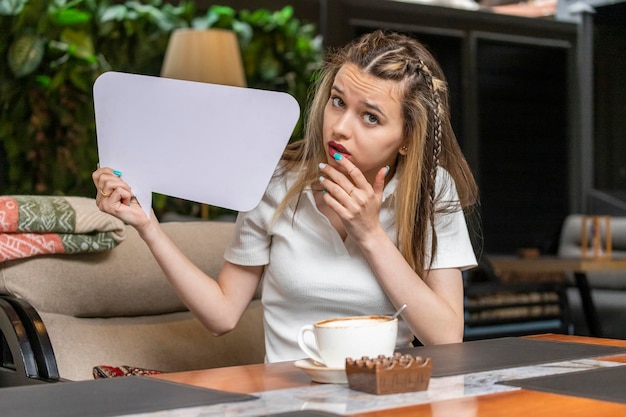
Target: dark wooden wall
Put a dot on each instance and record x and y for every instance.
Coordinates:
(512, 101)
(516, 105)
(610, 100)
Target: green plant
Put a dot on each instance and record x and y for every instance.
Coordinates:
(279, 51)
(51, 52)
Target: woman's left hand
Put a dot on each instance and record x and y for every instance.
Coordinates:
(353, 198)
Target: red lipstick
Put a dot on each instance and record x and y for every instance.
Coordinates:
(334, 147)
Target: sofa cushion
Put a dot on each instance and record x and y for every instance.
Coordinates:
(570, 238)
(125, 281)
(570, 247)
(166, 342)
(106, 371)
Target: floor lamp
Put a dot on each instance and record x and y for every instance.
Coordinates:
(210, 56)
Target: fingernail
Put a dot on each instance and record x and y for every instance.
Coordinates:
(388, 169)
(117, 173)
(324, 191)
(321, 179)
(321, 165)
(337, 156)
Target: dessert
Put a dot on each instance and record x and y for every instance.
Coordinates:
(389, 374)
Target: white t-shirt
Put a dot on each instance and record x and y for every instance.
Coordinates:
(311, 274)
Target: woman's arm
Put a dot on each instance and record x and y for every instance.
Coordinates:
(218, 304)
(435, 301)
(434, 310)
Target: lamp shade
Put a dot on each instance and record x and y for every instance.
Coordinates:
(210, 56)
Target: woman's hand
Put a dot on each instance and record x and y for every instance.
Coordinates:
(115, 197)
(353, 198)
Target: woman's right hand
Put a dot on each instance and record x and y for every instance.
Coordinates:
(115, 197)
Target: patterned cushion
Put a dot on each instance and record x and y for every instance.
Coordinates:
(104, 371)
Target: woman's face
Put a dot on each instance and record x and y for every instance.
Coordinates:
(363, 121)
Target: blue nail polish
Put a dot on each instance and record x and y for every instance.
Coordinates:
(388, 169)
(117, 173)
(321, 165)
(337, 156)
(324, 191)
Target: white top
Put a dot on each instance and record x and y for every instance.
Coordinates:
(311, 274)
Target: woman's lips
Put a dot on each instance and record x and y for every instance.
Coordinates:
(334, 147)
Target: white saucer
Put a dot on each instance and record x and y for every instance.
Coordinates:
(322, 374)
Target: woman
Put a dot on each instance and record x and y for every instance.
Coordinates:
(363, 215)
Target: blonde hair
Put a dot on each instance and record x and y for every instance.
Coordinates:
(426, 124)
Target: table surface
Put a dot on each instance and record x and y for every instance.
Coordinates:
(284, 377)
(548, 264)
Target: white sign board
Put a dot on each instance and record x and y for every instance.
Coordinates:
(207, 143)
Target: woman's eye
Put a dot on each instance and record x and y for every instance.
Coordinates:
(337, 102)
(370, 119)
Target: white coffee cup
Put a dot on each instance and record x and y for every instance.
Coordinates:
(349, 337)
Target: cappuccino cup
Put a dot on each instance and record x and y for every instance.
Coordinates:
(349, 337)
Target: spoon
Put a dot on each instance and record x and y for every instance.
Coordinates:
(397, 313)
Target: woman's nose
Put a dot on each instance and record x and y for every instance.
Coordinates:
(343, 125)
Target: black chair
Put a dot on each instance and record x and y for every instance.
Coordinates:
(502, 309)
(25, 350)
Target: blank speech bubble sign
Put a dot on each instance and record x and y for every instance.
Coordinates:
(206, 143)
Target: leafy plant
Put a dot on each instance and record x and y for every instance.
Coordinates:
(279, 52)
(52, 52)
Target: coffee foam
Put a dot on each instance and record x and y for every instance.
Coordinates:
(356, 321)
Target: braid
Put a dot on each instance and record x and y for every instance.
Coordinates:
(435, 120)
(437, 131)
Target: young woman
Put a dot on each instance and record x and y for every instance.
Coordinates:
(363, 215)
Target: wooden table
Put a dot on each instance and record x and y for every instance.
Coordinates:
(518, 403)
(550, 264)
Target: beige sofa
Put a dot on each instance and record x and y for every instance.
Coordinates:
(116, 308)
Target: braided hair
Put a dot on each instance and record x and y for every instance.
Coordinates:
(431, 142)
